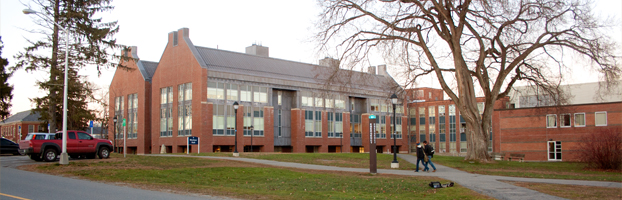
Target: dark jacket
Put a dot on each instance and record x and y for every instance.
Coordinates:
(420, 153)
(428, 149)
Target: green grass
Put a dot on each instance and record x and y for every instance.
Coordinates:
(551, 170)
(243, 180)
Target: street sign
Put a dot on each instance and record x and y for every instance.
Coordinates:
(373, 168)
(123, 122)
(91, 124)
(192, 140)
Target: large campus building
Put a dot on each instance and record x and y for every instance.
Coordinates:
(284, 106)
(287, 106)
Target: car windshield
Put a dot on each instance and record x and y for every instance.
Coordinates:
(29, 137)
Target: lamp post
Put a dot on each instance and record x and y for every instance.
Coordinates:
(394, 164)
(64, 158)
(252, 133)
(235, 150)
(114, 131)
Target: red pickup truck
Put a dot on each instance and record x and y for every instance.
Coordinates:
(79, 143)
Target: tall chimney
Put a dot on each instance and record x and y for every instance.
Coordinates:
(329, 62)
(371, 70)
(382, 70)
(258, 50)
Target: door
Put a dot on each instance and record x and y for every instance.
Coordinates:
(555, 150)
(72, 142)
(86, 144)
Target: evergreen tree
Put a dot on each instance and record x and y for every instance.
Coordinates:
(90, 45)
(6, 90)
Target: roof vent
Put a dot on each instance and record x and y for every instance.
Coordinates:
(258, 50)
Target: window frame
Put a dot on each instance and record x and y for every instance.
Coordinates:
(561, 118)
(595, 115)
(547, 121)
(575, 120)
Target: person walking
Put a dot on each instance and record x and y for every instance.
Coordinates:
(420, 157)
(429, 151)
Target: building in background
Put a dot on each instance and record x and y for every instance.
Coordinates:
(284, 106)
(17, 126)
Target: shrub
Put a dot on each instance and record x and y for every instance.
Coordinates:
(602, 149)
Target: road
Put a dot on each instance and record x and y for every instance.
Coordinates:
(18, 184)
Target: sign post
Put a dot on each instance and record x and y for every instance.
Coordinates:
(91, 125)
(193, 140)
(372, 145)
(124, 138)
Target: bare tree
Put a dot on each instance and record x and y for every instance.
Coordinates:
(490, 44)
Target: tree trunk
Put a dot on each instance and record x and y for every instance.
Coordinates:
(54, 72)
(477, 142)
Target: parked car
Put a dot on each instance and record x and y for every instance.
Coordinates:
(79, 144)
(8, 146)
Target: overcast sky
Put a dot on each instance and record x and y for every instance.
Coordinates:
(285, 26)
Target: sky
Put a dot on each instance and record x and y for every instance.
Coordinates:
(285, 26)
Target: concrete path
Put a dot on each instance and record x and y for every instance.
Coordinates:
(484, 184)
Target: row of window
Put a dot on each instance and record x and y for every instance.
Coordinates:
(377, 105)
(310, 99)
(600, 119)
(224, 120)
(235, 92)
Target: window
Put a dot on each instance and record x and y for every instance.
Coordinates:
(565, 120)
(330, 103)
(31, 128)
(232, 92)
(166, 112)
(132, 111)
(398, 127)
(551, 121)
(184, 109)
(118, 112)
(374, 107)
(319, 101)
(307, 99)
(452, 128)
(381, 127)
(245, 93)
(308, 123)
(339, 125)
(579, 119)
(318, 123)
(280, 126)
(260, 94)
(330, 123)
(340, 102)
(215, 90)
(84, 136)
(258, 121)
(355, 129)
(463, 142)
(555, 150)
(230, 124)
(279, 97)
(421, 116)
(218, 121)
(248, 120)
(384, 107)
(600, 119)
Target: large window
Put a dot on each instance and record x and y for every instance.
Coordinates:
(307, 99)
(381, 127)
(555, 150)
(132, 112)
(319, 101)
(432, 125)
(330, 122)
(232, 92)
(31, 128)
(218, 121)
(398, 127)
(260, 94)
(579, 119)
(564, 120)
(230, 120)
(355, 129)
(374, 106)
(551, 121)
(245, 93)
(184, 112)
(340, 102)
(452, 128)
(118, 111)
(248, 120)
(215, 90)
(258, 121)
(318, 123)
(600, 119)
(339, 125)
(166, 112)
(308, 123)
(441, 128)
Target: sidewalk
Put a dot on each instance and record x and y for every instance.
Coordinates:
(484, 184)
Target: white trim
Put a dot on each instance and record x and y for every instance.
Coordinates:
(595, 113)
(575, 120)
(548, 150)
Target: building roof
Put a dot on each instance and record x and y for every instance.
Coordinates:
(241, 63)
(150, 68)
(24, 116)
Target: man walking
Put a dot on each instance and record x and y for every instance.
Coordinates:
(420, 157)
(429, 151)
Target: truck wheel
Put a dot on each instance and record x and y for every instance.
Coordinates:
(35, 157)
(104, 152)
(50, 155)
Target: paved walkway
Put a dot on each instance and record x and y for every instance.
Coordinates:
(484, 184)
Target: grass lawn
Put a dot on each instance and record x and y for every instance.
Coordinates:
(552, 170)
(352, 160)
(572, 191)
(246, 180)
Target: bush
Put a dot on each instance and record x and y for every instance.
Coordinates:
(602, 149)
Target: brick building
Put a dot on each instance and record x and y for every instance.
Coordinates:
(284, 106)
(17, 126)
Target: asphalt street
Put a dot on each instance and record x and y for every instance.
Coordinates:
(18, 184)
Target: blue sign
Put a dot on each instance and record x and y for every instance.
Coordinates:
(372, 117)
(91, 124)
(193, 140)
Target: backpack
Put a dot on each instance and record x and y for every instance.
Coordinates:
(431, 150)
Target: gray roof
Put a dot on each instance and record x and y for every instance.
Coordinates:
(241, 63)
(150, 68)
(24, 116)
